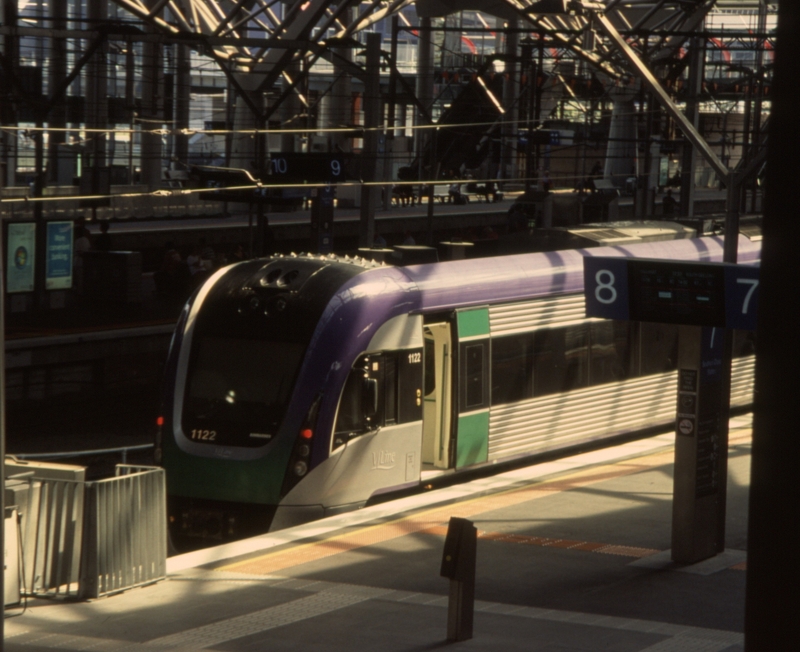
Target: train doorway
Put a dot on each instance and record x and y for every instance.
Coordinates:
(437, 406)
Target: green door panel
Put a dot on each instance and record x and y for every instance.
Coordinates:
(473, 439)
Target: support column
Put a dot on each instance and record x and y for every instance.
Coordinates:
(372, 119)
(183, 87)
(510, 85)
(424, 87)
(8, 114)
(772, 569)
(388, 148)
(621, 150)
(341, 98)
(425, 73)
(151, 114)
(689, 158)
(58, 114)
(96, 102)
(290, 111)
(701, 445)
(243, 145)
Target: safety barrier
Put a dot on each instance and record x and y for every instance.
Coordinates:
(88, 539)
(50, 501)
(125, 533)
(56, 547)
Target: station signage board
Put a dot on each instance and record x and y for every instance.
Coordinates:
(673, 292)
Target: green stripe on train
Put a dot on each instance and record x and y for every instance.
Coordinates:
(472, 445)
(473, 322)
(248, 481)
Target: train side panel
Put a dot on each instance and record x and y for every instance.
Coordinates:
(367, 458)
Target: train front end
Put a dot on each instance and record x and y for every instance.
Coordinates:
(237, 427)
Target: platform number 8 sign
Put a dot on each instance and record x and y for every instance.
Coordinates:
(606, 287)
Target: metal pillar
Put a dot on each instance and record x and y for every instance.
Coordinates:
(388, 151)
(341, 96)
(8, 139)
(152, 106)
(372, 119)
(424, 84)
(689, 159)
(772, 569)
(529, 73)
(58, 71)
(97, 87)
(183, 87)
(290, 111)
(621, 151)
(2, 437)
(425, 72)
(701, 443)
(510, 86)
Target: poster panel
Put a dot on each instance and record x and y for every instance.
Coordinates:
(58, 256)
(20, 257)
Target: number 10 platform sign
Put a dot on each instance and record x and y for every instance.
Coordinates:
(673, 292)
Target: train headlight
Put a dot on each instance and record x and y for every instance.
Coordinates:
(300, 462)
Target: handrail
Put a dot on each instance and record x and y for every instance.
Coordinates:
(65, 454)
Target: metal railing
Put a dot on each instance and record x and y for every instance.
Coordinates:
(123, 450)
(125, 532)
(89, 539)
(51, 537)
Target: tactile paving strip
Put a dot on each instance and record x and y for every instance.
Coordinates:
(568, 544)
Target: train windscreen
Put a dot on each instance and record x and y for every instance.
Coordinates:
(238, 390)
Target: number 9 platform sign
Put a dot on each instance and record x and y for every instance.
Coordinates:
(672, 292)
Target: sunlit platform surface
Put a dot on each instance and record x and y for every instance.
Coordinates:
(573, 555)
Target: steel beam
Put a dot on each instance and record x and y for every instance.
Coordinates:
(661, 95)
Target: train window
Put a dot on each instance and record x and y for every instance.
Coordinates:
(389, 398)
(473, 375)
(560, 359)
(430, 366)
(351, 413)
(659, 348)
(511, 368)
(610, 358)
(238, 385)
(355, 415)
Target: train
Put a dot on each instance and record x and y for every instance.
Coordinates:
(303, 386)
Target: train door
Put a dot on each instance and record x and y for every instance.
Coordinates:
(437, 396)
(473, 382)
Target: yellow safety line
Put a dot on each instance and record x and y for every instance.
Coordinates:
(315, 550)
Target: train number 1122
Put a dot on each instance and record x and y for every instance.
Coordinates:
(204, 435)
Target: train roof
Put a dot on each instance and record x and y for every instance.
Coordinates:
(520, 277)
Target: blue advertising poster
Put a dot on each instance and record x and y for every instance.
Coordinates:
(20, 257)
(58, 274)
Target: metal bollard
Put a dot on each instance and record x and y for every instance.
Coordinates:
(458, 564)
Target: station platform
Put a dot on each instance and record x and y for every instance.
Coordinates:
(573, 555)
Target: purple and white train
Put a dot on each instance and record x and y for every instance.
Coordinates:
(303, 386)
